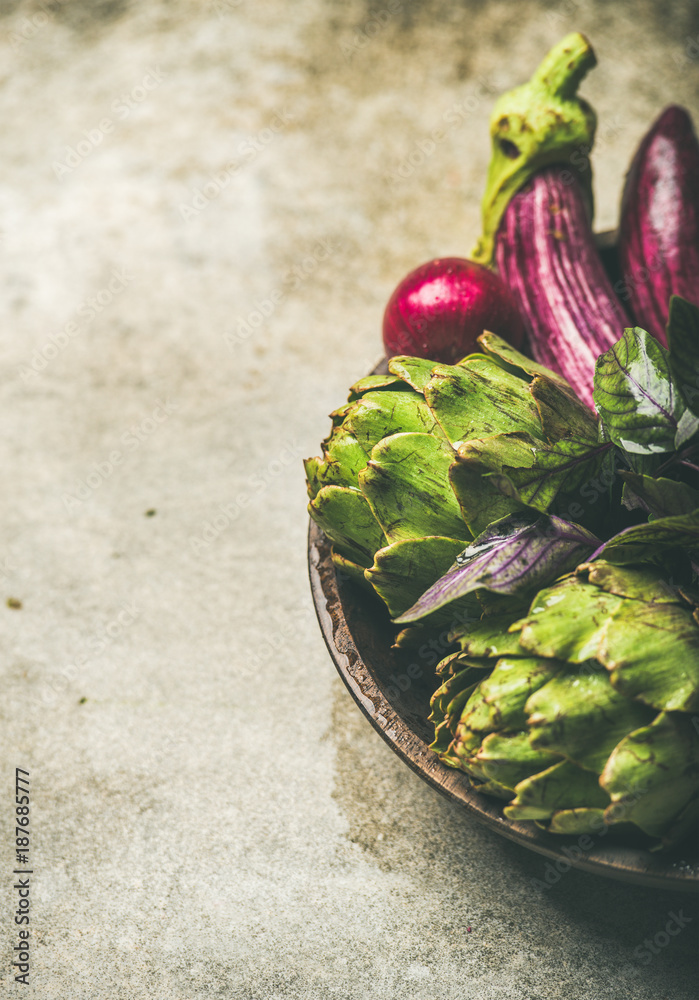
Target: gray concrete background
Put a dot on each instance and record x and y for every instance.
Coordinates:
(211, 815)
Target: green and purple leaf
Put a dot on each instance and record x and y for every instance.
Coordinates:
(520, 553)
(637, 397)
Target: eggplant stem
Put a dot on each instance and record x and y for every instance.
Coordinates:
(537, 124)
(563, 68)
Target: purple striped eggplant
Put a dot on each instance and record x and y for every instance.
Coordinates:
(545, 251)
(659, 227)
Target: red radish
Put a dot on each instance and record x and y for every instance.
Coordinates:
(440, 309)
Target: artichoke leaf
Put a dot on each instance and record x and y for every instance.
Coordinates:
(652, 654)
(348, 521)
(415, 372)
(449, 665)
(653, 774)
(338, 415)
(498, 702)
(406, 484)
(499, 452)
(562, 415)
(443, 737)
(455, 707)
(445, 701)
(463, 747)
(561, 786)
(347, 569)
(488, 637)
(454, 663)
(482, 495)
(492, 787)
(448, 757)
(638, 582)
(509, 758)
(519, 364)
(573, 822)
(378, 415)
(678, 532)
(375, 383)
(479, 399)
(313, 468)
(566, 620)
(343, 460)
(582, 717)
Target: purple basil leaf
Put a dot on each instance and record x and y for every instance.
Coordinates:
(517, 554)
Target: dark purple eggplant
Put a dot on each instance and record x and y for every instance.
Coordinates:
(545, 251)
(659, 226)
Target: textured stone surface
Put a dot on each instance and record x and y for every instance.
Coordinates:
(211, 814)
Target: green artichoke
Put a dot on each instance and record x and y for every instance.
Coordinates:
(420, 461)
(583, 713)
